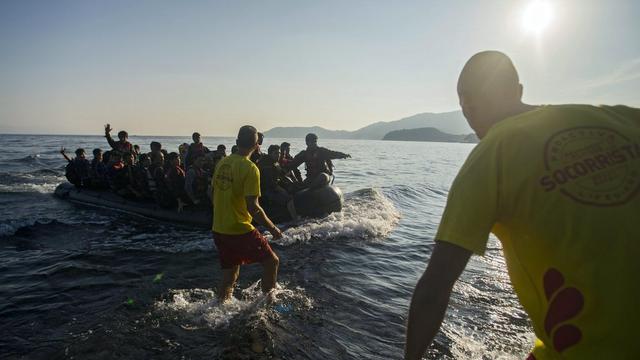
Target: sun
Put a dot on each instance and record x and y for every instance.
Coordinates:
(537, 16)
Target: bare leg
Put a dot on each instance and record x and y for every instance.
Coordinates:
(270, 273)
(229, 277)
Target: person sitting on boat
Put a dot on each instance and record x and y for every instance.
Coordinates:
(196, 148)
(122, 145)
(317, 161)
(136, 153)
(196, 182)
(174, 180)
(78, 169)
(155, 147)
(285, 159)
(234, 149)
(273, 182)
(116, 174)
(257, 154)
(143, 177)
(98, 172)
(221, 150)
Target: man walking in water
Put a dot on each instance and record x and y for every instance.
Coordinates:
(559, 186)
(236, 189)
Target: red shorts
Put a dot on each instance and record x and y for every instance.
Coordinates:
(241, 249)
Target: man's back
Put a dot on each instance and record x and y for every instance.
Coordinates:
(235, 178)
(559, 187)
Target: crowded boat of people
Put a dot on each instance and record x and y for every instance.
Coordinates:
(181, 179)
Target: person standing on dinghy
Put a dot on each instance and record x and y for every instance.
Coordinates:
(317, 161)
(236, 189)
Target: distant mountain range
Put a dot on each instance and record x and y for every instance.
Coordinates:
(452, 123)
(428, 134)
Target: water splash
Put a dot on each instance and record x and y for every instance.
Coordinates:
(199, 308)
(366, 214)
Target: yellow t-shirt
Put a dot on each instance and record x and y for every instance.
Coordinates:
(235, 178)
(559, 186)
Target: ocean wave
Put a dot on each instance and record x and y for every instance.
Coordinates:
(365, 214)
(11, 227)
(41, 181)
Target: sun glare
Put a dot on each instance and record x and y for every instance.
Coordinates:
(537, 16)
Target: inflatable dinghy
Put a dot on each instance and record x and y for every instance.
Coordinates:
(309, 203)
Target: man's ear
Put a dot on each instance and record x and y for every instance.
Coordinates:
(520, 91)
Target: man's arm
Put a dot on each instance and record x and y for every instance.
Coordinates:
(332, 155)
(62, 151)
(431, 296)
(297, 161)
(261, 217)
(107, 134)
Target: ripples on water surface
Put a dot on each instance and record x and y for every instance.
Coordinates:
(79, 282)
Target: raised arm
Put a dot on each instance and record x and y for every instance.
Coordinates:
(62, 151)
(107, 134)
(431, 296)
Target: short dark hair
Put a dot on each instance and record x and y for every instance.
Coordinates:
(172, 156)
(79, 151)
(155, 145)
(273, 148)
(221, 146)
(123, 133)
(285, 145)
(234, 149)
(247, 137)
(311, 137)
(97, 151)
(143, 157)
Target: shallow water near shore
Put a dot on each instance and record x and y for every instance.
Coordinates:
(87, 283)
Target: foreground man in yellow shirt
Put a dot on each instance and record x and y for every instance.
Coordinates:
(236, 189)
(559, 186)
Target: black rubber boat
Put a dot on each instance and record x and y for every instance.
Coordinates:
(309, 203)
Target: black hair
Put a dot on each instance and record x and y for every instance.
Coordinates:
(155, 145)
(221, 146)
(247, 137)
(285, 145)
(123, 133)
(310, 137)
(172, 156)
(234, 149)
(143, 157)
(97, 151)
(273, 148)
(79, 151)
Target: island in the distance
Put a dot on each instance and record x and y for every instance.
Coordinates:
(428, 134)
(446, 127)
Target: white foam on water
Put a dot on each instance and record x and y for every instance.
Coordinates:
(366, 214)
(471, 345)
(200, 307)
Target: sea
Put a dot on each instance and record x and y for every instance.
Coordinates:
(79, 282)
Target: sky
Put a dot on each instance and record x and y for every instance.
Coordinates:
(156, 67)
